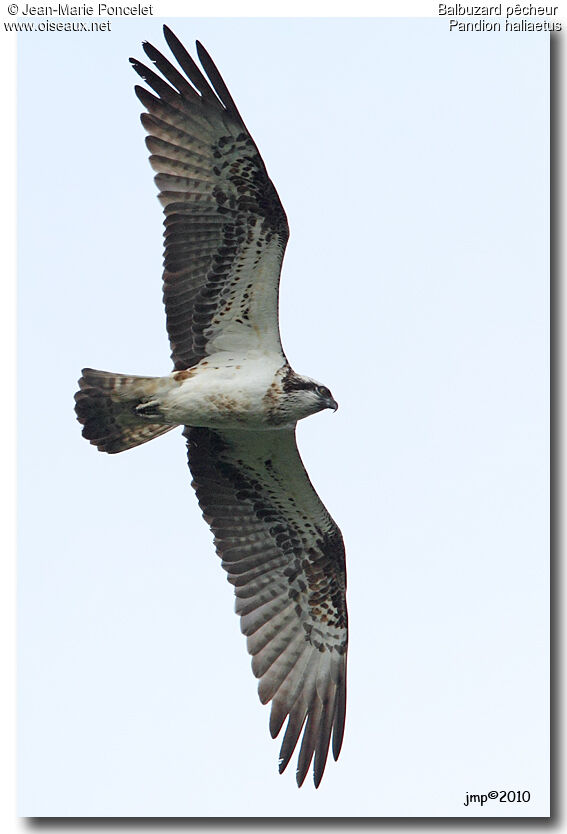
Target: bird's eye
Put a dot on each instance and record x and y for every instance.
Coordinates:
(322, 391)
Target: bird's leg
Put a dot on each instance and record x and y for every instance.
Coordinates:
(149, 409)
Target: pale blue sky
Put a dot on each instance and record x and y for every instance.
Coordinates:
(413, 166)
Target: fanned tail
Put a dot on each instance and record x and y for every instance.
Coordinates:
(116, 410)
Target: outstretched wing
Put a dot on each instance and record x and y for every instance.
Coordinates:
(285, 556)
(225, 228)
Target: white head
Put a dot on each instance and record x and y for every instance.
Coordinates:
(303, 396)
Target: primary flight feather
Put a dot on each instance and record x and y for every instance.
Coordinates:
(238, 399)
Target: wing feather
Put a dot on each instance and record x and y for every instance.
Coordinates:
(222, 261)
(328, 699)
(285, 639)
(285, 688)
(298, 713)
(175, 78)
(217, 82)
(281, 668)
(285, 555)
(339, 719)
(165, 92)
(315, 721)
(177, 137)
(271, 615)
(189, 66)
(257, 596)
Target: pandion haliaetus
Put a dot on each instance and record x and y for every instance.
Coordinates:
(235, 393)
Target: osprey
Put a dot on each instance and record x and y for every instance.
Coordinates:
(238, 399)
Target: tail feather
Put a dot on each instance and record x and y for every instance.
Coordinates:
(106, 406)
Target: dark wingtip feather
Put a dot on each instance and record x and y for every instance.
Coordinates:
(324, 736)
(165, 91)
(172, 39)
(295, 724)
(309, 741)
(217, 81)
(141, 69)
(339, 723)
(148, 99)
(189, 66)
(300, 777)
(136, 64)
(152, 53)
(168, 70)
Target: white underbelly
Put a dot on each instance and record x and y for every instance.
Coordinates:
(229, 396)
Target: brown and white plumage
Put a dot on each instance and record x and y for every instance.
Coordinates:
(285, 556)
(225, 228)
(239, 400)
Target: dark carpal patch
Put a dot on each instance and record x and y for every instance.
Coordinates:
(225, 237)
(320, 563)
(288, 571)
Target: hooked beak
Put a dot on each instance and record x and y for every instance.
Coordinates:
(331, 403)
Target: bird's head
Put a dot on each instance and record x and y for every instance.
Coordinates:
(304, 396)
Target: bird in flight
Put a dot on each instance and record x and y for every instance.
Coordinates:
(238, 399)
